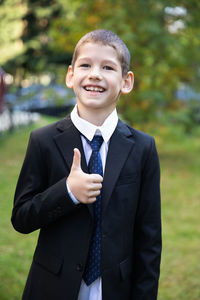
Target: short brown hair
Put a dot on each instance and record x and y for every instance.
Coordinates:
(106, 37)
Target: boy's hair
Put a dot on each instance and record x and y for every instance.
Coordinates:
(108, 38)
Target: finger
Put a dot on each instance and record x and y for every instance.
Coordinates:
(76, 164)
(96, 187)
(91, 200)
(96, 178)
(93, 194)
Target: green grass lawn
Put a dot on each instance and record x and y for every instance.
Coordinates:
(180, 164)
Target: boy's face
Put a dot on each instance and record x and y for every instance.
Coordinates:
(97, 78)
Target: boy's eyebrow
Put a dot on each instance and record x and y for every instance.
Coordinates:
(109, 61)
(83, 59)
(106, 61)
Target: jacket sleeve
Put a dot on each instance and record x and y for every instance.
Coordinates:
(36, 204)
(148, 230)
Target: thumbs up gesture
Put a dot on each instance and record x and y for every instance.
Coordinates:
(85, 187)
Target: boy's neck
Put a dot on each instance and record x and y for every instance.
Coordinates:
(94, 116)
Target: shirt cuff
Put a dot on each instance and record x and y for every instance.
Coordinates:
(71, 195)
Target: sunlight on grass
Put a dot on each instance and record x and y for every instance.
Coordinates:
(180, 269)
(180, 165)
(16, 249)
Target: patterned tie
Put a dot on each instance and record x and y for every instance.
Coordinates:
(93, 264)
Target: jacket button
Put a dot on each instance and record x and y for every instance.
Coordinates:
(79, 267)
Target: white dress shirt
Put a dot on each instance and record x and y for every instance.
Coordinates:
(94, 290)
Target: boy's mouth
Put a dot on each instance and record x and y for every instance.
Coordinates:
(90, 88)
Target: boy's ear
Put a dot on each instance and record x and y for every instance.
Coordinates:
(69, 78)
(128, 82)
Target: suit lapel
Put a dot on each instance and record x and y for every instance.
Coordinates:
(119, 148)
(120, 145)
(68, 139)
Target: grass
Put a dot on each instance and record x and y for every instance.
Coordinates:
(180, 164)
(16, 249)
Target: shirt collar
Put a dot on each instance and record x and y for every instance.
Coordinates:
(89, 130)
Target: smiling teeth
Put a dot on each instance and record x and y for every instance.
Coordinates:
(94, 89)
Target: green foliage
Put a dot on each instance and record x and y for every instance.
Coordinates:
(188, 117)
(163, 56)
(11, 13)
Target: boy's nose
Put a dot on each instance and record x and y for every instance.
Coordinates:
(95, 74)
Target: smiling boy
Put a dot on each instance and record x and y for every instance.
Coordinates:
(97, 80)
(90, 183)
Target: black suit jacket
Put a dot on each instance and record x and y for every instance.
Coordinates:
(131, 222)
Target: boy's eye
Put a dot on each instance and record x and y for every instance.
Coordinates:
(84, 65)
(108, 68)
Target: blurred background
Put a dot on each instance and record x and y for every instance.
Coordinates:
(37, 39)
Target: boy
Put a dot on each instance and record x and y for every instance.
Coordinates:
(100, 233)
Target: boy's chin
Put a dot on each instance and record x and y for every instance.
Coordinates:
(92, 103)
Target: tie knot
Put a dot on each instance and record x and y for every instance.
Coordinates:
(96, 142)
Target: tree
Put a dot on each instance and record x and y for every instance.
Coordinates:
(163, 38)
(11, 25)
(36, 57)
(162, 55)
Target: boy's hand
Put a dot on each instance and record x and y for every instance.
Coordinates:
(85, 187)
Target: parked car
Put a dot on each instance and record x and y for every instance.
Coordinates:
(52, 100)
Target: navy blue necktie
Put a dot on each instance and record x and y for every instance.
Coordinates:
(93, 264)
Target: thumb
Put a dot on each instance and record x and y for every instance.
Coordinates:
(76, 164)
